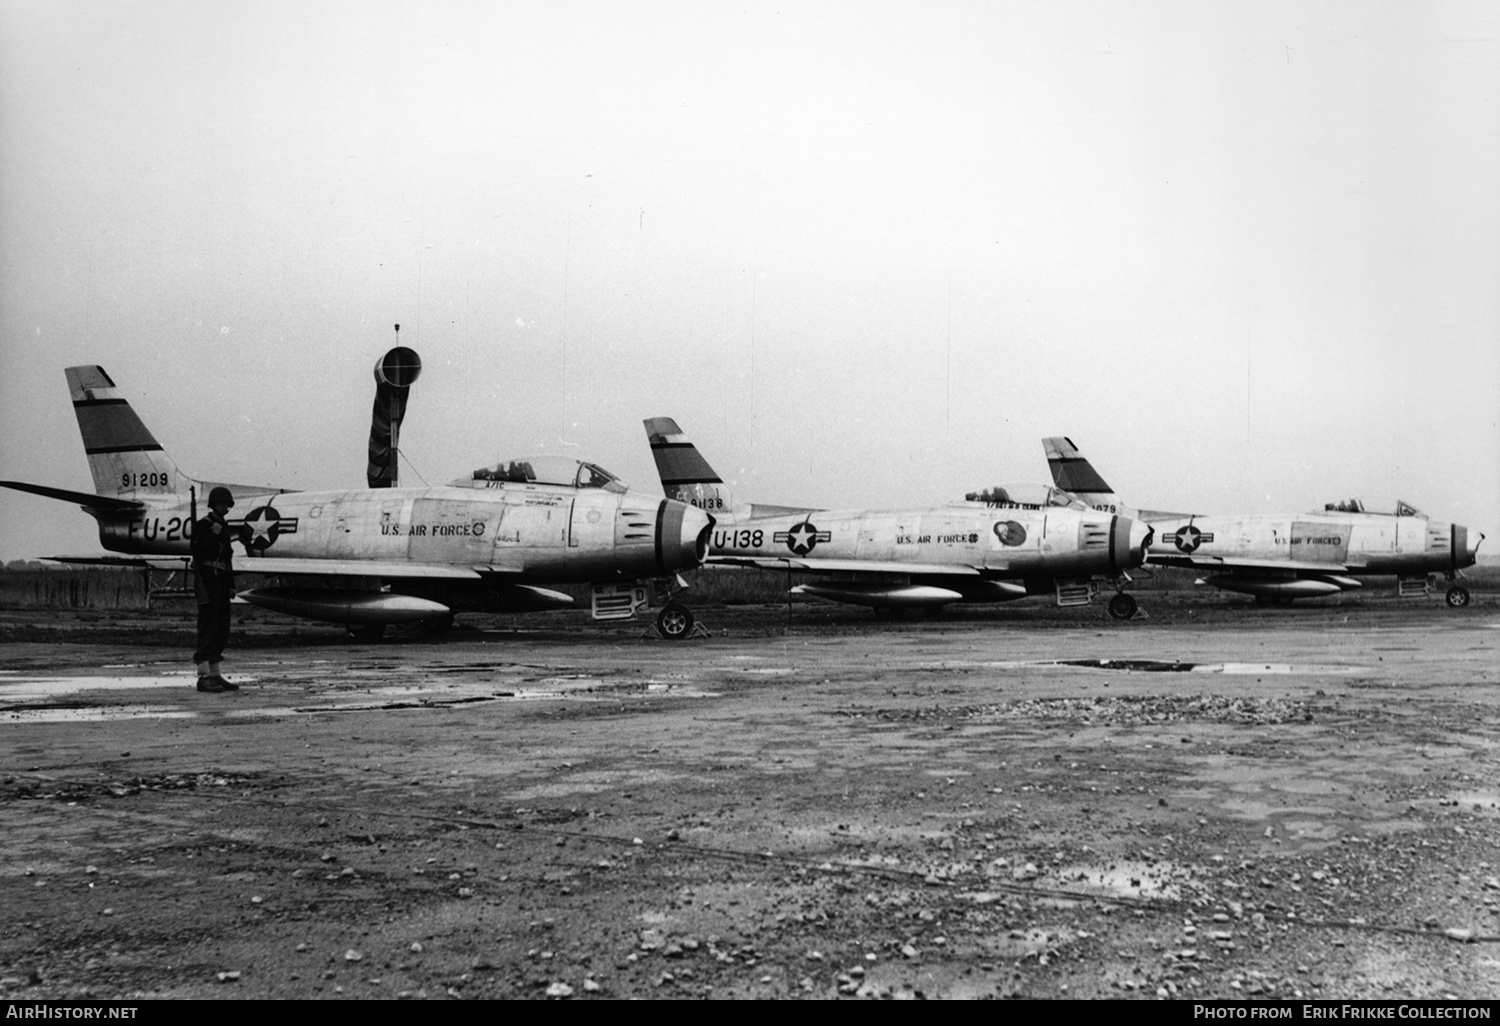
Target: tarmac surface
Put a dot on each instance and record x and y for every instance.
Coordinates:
(1216, 801)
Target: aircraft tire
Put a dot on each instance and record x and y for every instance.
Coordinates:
(675, 621)
(1457, 597)
(367, 631)
(1122, 606)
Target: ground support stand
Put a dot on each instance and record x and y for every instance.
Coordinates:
(653, 633)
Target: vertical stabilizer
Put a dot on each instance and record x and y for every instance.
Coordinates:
(124, 457)
(685, 474)
(1072, 473)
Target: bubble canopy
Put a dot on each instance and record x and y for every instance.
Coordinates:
(1027, 495)
(1381, 506)
(548, 470)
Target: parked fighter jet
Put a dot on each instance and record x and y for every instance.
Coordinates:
(383, 555)
(982, 551)
(1280, 557)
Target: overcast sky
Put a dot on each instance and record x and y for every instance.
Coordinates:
(1247, 255)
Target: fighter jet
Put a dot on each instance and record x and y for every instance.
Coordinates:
(1281, 557)
(980, 551)
(487, 541)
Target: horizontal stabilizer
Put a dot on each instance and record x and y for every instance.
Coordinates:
(1151, 516)
(86, 499)
(763, 511)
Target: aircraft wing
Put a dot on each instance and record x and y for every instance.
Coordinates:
(153, 562)
(869, 566)
(307, 567)
(1231, 564)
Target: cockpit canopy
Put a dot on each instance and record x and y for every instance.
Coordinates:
(549, 470)
(1027, 495)
(1380, 506)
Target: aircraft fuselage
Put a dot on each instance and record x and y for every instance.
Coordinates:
(1018, 542)
(557, 533)
(1362, 543)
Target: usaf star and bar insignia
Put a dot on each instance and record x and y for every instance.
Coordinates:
(260, 528)
(1187, 538)
(803, 538)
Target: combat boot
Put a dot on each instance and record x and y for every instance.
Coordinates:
(210, 685)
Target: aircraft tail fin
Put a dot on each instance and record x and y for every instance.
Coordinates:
(1073, 473)
(125, 458)
(685, 474)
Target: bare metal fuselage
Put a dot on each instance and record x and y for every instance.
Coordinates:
(524, 531)
(997, 542)
(1350, 543)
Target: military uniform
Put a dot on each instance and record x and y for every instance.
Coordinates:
(213, 582)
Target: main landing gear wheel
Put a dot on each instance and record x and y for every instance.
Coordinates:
(367, 631)
(675, 621)
(1457, 597)
(1122, 606)
(441, 625)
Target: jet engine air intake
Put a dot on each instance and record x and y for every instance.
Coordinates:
(703, 539)
(1128, 541)
(680, 528)
(394, 374)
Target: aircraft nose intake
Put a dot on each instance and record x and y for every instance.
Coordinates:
(1464, 553)
(1141, 535)
(696, 528)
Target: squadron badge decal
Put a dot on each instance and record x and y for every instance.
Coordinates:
(1010, 532)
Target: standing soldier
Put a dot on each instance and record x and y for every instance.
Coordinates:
(213, 581)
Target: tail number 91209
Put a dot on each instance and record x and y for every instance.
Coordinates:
(151, 480)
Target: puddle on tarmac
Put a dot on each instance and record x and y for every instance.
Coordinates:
(1164, 666)
(23, 699)
(371, 699)
(1124, 879)
(17, 688)
(597, 692)
(1158, 666)
(95, 714)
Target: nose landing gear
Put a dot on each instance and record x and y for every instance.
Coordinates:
(675, 621)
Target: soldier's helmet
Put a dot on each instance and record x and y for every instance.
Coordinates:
(220, 494)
